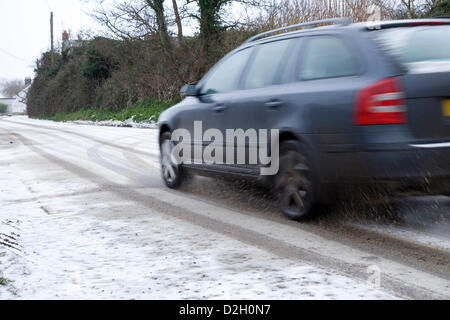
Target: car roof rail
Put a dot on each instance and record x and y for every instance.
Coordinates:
(312, 24)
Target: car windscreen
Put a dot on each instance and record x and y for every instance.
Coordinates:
(418, 48)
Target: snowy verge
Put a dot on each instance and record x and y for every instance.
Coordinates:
(116, 123)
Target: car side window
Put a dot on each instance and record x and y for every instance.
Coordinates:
(225, 77)
(269, 61)
(328, 57)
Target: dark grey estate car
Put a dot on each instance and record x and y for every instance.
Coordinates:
(355, 105)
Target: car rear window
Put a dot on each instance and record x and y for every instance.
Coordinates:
(413, 45)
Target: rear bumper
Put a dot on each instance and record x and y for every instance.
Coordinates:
(405, 163)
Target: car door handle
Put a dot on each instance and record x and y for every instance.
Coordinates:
(273, 104)
(219, 108)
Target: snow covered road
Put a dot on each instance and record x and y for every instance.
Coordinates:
(84, 215)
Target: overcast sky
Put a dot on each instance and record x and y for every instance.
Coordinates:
(25, 31)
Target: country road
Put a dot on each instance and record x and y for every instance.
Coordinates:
(84, 214)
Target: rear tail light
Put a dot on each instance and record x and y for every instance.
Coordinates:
(381, 103)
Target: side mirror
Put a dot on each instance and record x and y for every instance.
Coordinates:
(190, 90)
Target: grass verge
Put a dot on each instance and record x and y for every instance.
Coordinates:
(143, 111)
(3, 108)
(4, 281)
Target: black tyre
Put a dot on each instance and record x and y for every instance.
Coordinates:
(295, 182)
(172, 173)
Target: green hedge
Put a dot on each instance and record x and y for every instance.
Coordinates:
(143, 111)
(442, 10)
(3, 108)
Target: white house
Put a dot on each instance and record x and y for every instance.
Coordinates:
(19, 106)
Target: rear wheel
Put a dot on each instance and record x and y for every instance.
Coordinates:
(294, 182)
(172, 173)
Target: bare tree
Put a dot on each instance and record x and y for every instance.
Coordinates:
(278, 13)
(429, 5)
(413, 9)
(179, 23)
(139, 20)
(11, 88)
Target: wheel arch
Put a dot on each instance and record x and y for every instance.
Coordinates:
(163, 129)
(287, 135)
(304, 141)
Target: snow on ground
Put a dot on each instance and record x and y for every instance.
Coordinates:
(76, 241)
(431, 236)
(130, 123)
(75, 256)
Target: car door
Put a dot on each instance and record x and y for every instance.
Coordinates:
(260, 102)
(210, 109)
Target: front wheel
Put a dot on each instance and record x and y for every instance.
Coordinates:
(294, 182)
(172, 173)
